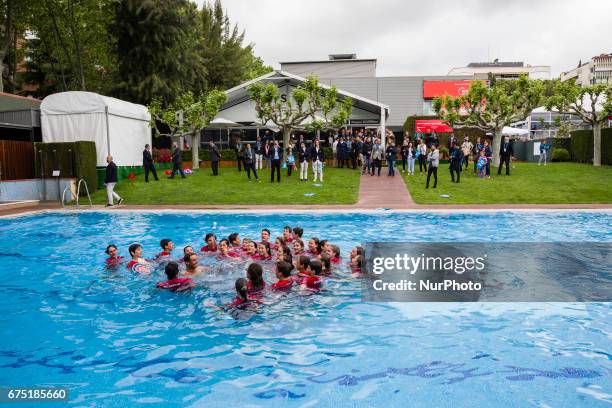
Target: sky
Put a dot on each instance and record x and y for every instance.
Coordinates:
(427, 37)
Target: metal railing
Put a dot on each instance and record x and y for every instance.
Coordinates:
(81, 181)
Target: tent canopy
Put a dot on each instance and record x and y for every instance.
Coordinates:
(511, 131)
(88, 102)
(118, 128)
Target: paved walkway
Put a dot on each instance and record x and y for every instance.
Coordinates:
(384, 192)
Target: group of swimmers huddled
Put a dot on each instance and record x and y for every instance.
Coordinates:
(294, 263)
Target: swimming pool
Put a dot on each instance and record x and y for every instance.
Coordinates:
(116, 341)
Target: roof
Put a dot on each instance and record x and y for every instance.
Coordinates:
(78, 102)
(518, 64)
(10, 102)
(240, 92)
(328, 61)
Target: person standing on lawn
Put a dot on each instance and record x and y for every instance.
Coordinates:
(505, 153)
(215, 156)
(249, 162)
(303, 157)
(318, 158)
(422, 155)
(111, 180)
(177, 160)
(456, 159)
(489, 155)
(466, 148)
(433, 158)
(544, 148)
(476, 150)
(239, 154)
(391, 155)
(276, 155)
(147, 163)
(259, 152)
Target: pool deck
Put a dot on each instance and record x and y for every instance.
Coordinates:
(374, 193)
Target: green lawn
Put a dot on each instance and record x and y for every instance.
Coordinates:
(556, 183)
(341, 186)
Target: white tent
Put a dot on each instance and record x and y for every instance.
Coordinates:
(510, 131)
(117, 127)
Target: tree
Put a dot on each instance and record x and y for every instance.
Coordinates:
(288, 112)
(492, 107)
(68, 45)
(196, 113)
(7, 36)
(228, 62)
(156, 47)
(593, 104)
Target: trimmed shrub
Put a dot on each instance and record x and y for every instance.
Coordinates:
(560, 155)
(562, 143)
(582, 146)
(72, 159)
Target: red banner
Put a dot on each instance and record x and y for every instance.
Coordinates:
(431, 89)
(433, 125)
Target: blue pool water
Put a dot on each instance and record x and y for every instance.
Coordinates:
(116, 341)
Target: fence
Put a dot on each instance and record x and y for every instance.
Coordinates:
(16, 160)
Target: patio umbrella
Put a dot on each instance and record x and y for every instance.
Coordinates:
(222, 123)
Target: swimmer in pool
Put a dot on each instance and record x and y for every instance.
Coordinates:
(334, 254)
(256, 283)
(355, 264)
(167, 246)
(287, 234)
(297, 233)
(358, 250)
(313, 280)
(251, 250)
(283, 274)
(174, 283)
(113, 259)
(242, 294)
(321, 246)
(326, 261)
(234, 240)
(279, 241)
(298, 247)
(265, 235)
(225, 251)
(263, 251)
(138, 263)
(192, 268)
(284, 254)
(301, 264)
(211, 243)
(313, 246)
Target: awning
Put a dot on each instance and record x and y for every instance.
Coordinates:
(433, 125)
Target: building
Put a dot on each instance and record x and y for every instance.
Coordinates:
(404, 95)
(502, 70)
(598, 70)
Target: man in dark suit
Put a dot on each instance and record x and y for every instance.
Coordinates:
(276, 155)
(177, 161)
(110, 180)
(505, 152)
(147, 162)
(215, 156)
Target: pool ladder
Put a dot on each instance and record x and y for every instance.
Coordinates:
(81, 181)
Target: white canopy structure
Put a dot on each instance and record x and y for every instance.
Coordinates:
(511, 131)
(117, 127)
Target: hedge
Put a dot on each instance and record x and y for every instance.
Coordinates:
(560, 155)
(581, 146)
(72, 159)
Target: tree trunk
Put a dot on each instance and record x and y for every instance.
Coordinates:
(6, 41)
(286, 135)
(497, 138)
(596, 144)
(195, 150)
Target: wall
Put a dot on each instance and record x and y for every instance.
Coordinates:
(337, 69)
(33, 189)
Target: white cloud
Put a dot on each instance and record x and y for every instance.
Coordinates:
(427, 37)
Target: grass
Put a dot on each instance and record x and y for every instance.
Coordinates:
(556, 183)
(341, 186)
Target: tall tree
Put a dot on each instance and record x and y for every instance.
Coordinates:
(228, 61)
(156, 49)
(71, 44)
(492, 107)
(188, 115)
(289, 112)
(593, 104)
(8, 11)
